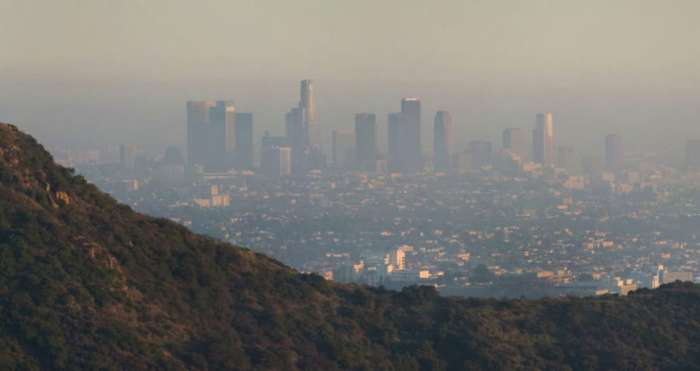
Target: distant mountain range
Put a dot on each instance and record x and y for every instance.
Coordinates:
(87, 283)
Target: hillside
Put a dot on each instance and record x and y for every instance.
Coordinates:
(86, 283)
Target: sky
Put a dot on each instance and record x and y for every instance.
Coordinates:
(84, 73)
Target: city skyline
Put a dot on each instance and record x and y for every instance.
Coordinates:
(609, 67)
(323, 134)
(404, 150)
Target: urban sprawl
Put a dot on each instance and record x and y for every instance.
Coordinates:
(525, 218)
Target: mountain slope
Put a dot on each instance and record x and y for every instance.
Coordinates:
(87, 283)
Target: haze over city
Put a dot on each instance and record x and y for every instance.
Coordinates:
(349, 185)
(84, 73)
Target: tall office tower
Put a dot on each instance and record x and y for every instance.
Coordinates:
(543, 140)
(515, 141)
(308, 104)
(614, 155)
(297, 136)
(285, 161)
(244, 141)
(127, 156)
(315, 157)
(275, 156)
(692, 154)
(442, 141)
(222, 136)
(394, 161)
(410, 149)
(276, 161)
(304, 133)
(366, 141)
(479, 153)
(198, 131)
(343, 149)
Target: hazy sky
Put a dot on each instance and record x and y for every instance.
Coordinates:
(86, 72)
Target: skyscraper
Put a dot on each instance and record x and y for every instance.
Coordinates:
(276, 161)
(222, 136)
(244, 140)
(304, 133)
(215, 141)
(515, 141)
(197, 131)
(394, 156)
(543, 140)
(307, 102)
(298, 139)
(410, 149)
(285, 154)
(442, 141)
(614, 155)
(275, 156)
(366, 141)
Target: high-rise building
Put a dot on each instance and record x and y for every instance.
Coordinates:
(393, 138)
(404, 138)
(614, 155)
(343, 148)
(543, 140)
(410, 149)
(366, 141)
(244, 140)
(442, 141)
(285, 160)
(275, 156)
(269, 141)
(480, 152)
(198, 132)
(222, 136)
(515, 142)
(304, 132)
(211, 134)
(298, 139)
(307, 102)
(276, 161)
(315, 159)
(692, 154)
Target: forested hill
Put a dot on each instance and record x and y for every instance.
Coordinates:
(86, 283)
